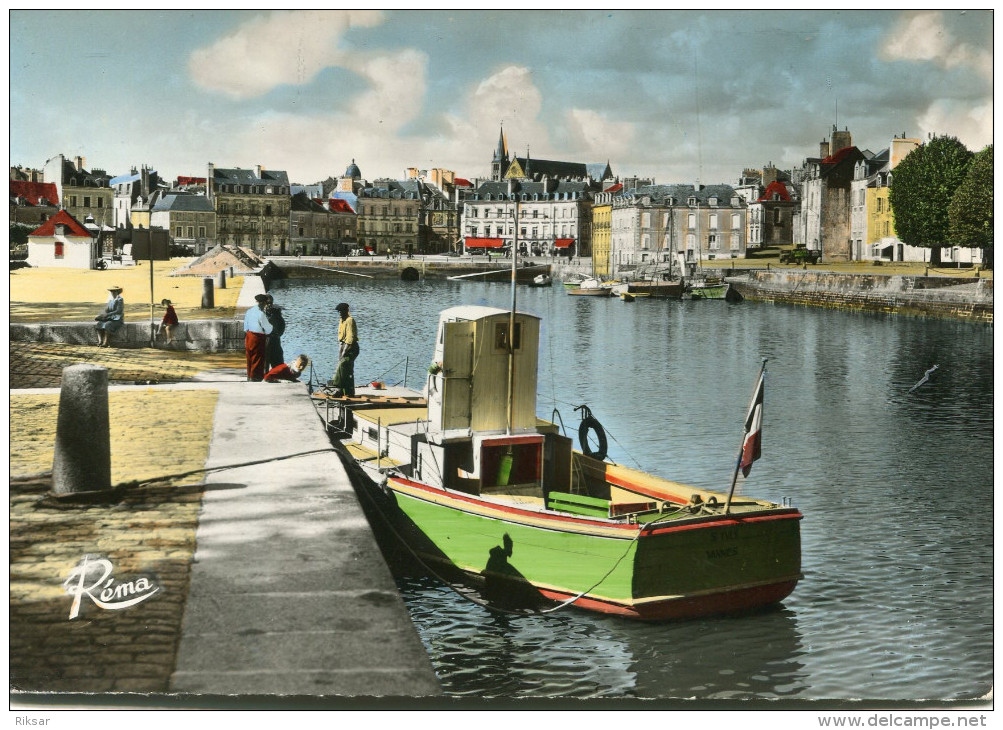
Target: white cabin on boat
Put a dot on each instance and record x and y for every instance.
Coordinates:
(470, 394)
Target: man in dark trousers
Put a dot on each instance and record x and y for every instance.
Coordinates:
(343, 379)
(256, 329)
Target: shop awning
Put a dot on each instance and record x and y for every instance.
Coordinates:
(563, 242)
(484, 242)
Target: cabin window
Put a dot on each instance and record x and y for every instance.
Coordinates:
(501, 336)
(59, 249)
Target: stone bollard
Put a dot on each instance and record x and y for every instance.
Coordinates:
(208, 301)
(82, 461)
(221, 280)
(231, 272)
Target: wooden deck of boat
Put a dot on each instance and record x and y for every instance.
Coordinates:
(393, 416)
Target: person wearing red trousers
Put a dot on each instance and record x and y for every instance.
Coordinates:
(256, 329)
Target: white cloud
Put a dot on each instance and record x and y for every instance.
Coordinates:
(973, 126)
(923, 36)
(286, 47)
(595, 137)
(397, 88)
(508, 97)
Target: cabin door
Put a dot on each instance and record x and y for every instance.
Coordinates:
(457, 371)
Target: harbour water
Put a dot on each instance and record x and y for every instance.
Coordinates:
(896, 488)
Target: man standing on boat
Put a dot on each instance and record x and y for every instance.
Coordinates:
(256, 329)
(348, 349)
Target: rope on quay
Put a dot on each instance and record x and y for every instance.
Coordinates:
(117, 491)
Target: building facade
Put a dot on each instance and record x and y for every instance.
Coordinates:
(771, 216)
(190, 220)
(82, 193)
(554, 216)
(62, 241)
(134, 197)
(602, 235)
(32, 203)
(388, 218)
(655, 227)
(823, 222)
(252, 208)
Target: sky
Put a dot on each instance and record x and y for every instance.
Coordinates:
(681, 96)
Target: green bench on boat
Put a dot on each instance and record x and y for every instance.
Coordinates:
(578, 504)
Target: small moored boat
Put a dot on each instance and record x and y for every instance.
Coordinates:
(708, 290)
(481, 490)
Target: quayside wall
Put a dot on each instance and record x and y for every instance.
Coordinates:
(918, 296)
(402, 269)
(199, 335)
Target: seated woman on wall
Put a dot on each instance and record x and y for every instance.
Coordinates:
(291, 371)
(110, 320)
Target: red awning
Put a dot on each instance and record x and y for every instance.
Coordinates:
(563, 242)
(483, 242)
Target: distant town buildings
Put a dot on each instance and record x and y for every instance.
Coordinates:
(835, 203)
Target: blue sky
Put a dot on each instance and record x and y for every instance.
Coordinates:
(678, 95)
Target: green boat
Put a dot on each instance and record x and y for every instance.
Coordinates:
(708, 290)
(481, 490)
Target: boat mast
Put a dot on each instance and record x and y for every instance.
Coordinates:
(511, 319)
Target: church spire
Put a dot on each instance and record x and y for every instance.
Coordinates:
(500, 160)
(501, 152)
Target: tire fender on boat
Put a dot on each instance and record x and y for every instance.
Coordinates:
(589, 423)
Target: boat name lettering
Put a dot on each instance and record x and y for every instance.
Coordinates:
(92, 578)
(724, 535)
(723, 552)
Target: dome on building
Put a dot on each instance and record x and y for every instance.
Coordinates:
(353, 171)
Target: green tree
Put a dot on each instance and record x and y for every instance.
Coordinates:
(971, 208)
(19, 240)
(923, 185)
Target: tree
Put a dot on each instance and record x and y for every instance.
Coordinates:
(923, 185)
(19, 239)
(971, 208)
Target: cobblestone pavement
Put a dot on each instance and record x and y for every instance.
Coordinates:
(143, 532)
(40, 365)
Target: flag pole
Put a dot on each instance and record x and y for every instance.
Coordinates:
(745, 433)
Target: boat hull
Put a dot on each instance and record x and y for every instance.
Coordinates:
(590, 292)
(710, 566)
(663, 290)
(715, 291)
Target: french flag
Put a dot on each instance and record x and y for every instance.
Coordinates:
(752, 448)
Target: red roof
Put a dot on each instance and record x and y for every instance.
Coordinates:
(186, 180)
(461, 182)
(73, 227)
(775, 188)
(32, 191)
(837, 156)
(340, 206)
(563, 242)
(614, 189)
(483, 242)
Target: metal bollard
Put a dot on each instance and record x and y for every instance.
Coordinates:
(208, 301)
(221, 280)
(82, 460)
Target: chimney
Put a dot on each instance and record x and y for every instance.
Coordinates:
(79, 162)
(823, 149)
(257, 171)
